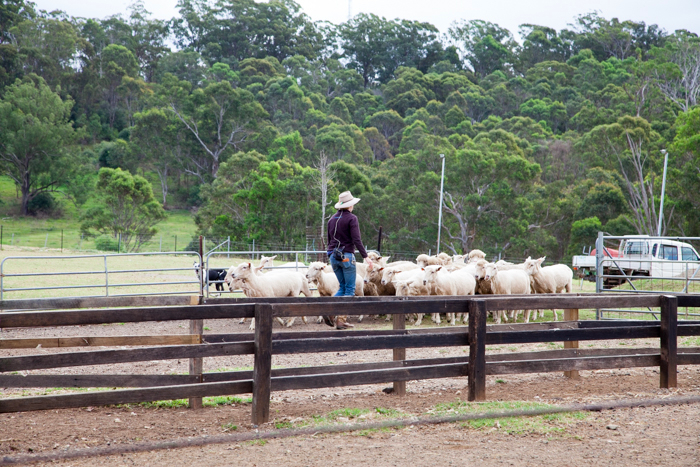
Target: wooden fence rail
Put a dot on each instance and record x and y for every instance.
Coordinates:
(263, 380)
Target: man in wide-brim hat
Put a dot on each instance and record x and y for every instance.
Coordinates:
(343, 238)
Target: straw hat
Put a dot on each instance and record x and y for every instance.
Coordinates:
(345, 200)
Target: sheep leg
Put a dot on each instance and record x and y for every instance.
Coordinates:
(252, 325)
(290, 322)
(527, 316)
(541, 313)
(242, 321)
(319, 320)
(504, 315)
(465, 318)
(280, 320)
(306, 321)
(435, 318)
(555, 315)
(359, 319)
(388, 318)
(419, 319)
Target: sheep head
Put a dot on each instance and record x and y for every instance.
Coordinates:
(315, 269)
(243, 271)
(490, 271)
(430, 274)
(388, 275)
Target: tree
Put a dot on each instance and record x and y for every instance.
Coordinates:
(323, 180)
(155, 138)
(376, 47)
(486, 46)
(230, 31)
(219, 116)
(630, 144)
(35, 132)
(679, 79)
(125, 206)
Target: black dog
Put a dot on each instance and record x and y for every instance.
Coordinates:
(214, 274)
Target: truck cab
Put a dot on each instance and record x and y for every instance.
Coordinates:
(654, 257)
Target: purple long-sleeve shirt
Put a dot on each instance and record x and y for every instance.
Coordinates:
(347, 233)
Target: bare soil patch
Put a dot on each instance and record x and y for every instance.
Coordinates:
(656, 435)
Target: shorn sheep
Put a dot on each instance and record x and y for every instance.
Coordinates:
(549, 279)
(475, 255)
(413, 288)
(507, 282)
(460, 282)
(328, 283)
(278, 284)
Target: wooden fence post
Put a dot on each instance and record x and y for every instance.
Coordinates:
(669, 342)
(197, 328)
(196, 364)
(400, 354)
(477, 350)
(571, 315)
(262, 367)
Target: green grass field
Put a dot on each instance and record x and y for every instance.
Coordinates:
(46, 232)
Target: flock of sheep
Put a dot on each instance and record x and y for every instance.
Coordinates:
(429, 275)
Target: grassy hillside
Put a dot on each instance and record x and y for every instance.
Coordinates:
(42, 231)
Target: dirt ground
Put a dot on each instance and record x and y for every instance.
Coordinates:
(656, 435)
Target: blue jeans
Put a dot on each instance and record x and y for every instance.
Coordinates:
(346, 272)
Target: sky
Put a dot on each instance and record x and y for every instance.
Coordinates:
(669, 14)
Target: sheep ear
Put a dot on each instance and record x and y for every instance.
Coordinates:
(380, 269)
(250, 265)
(439, 268)
(385, 259)
(272, 257)
(422, 269)
(541, 260)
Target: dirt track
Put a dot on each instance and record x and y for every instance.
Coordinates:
(655, 435)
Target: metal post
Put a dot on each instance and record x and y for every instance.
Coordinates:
(0, 237)
(46, 242)
(296, 261)
(442, 184)
(106, 278)
(201, 267)
(175, 243)
(598, 268)
(663, 192)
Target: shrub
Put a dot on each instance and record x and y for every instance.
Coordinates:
(42, 204)
(106, 243)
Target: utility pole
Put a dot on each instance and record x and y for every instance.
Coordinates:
(442, 185)
(663, 192)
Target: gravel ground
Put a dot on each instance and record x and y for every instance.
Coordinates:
(665, 435)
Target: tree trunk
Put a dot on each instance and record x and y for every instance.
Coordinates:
(25, 188)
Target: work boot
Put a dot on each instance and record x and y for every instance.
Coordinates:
(341, 322)
(329, 320)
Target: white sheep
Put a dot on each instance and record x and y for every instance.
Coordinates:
(399, 273)
(507, 282)
(456, 259)
(475, 255)
(549, 279)
(279, 284)
(445, 259)
(425, 260)
(461, 282)
(413, 288)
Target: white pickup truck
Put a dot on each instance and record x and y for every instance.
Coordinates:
(641, 255)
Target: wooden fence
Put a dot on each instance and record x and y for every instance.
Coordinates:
(262, 380)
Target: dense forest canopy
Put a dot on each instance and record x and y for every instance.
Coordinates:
(255, 117)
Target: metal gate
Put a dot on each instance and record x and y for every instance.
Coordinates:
(647, 267)
(110, 275)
